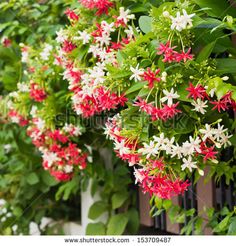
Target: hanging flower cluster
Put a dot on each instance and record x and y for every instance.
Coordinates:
(60, 155)
(33, 105)
(91, 95)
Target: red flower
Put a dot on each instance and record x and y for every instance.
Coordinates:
(144, 106)
(102, 6)
(196, 91)
(220, 105)
(151, 77)
(184, 56)
(68, 46)
(6, 42)
(169, 111)
(37, 93)
(208, 153)
(71, 15)
(165, 48)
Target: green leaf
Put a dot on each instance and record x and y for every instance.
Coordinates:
(96, 229)
(17, 211)
(145, 24)
(158, 212)
(222, 225)
(206, 52)
(97, 209)
(232, 227)
(48, 179)
(167, 204)
(117, 224)
(32, 178)
(218, 9)
(226, 65)
(118, 199)
(135, 87)
(133, 224)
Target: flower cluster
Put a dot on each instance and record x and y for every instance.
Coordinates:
(91, 93)
(152, 174)
(60, 155)
(102, 6)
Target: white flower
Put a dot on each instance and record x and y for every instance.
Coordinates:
(23, 87)
(68, 168)
(195, 143)
(124, 15)
(169, 96)
(187, 18)
(40, 123)
(84, 36)
(50, 157)
(181, 22)
(24, 56)
(163, 76)
(212, 92)
(188, 163)
(61, 37)
(176, 151)
(169, 145)
(129, 32)
(225, 139)
(150, 149)
(138, 175)
(199, 106)
(46, 52)
(104, 39)
(120, 146)
(107, 28)
(33, 111)
(161, 141)
(207, 132)
(136, 73)
(219, 131)
(7, 148)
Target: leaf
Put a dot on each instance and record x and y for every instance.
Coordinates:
(133, 224)
(226, 65)
(48, 179)
(17, 211)
(145, 24)
(97, 209)
(118, 199)
(206, 52)
(232, 227)
(167, 204)
(32, 179)
(135, 87)
(222, 225)
(117, 224)
(218, 9)
(158, 212)
(96, 229)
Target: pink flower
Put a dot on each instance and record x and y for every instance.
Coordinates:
(37, 93)
(151, 77)
(68, 46)
(71, 15)
(196, 91)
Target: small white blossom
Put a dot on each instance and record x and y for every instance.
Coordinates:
(207, 132)
(120, 146)
(84, 37)
(150, 149)
(124, 15)
(137, 73)
(199, 106)
(188, 163)
(169, 96)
